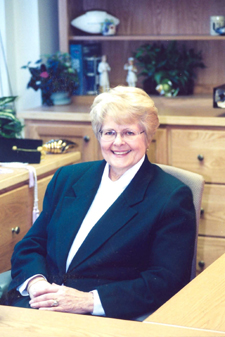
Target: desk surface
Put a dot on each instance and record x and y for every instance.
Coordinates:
(18, 322)
(201, 304)
(49, 163)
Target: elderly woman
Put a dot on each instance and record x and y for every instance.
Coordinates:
(115, 237)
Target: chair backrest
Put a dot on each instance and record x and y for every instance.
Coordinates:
(196, 183)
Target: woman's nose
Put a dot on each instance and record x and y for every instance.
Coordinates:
(119, 139)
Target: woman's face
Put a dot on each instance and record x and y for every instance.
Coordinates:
(122, 154)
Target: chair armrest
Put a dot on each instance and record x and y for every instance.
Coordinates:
(5, 279)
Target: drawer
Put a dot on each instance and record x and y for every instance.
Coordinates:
(200, 151)
(209, 250)
(15, 211)
(212, 221)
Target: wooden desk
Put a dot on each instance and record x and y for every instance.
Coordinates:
(18, 322)
(50, 163)
(16, 200)
(201, 304)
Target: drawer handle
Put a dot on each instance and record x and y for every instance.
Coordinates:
(16, 230)
(202, 211)
(201, 264)
(86, 138)
(200, 157)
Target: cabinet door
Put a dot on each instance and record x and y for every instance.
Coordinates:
(80, 133)
(200, 151)
(212, 221)
(15, 211)
(209, 250)
(157, 151)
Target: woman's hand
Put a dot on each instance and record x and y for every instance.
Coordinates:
(65, 299)
(37, 285)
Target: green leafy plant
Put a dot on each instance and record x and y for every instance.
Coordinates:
(53, 73)
(160, 62)
(10, 125)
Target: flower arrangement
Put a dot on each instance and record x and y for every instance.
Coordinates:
(10, 125)
(51, 74)
(169, 68)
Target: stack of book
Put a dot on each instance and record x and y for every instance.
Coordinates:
(85, 59)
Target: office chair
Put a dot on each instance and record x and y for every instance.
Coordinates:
(5, 279)
(196, 183)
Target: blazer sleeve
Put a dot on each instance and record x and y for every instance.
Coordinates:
(168, 262)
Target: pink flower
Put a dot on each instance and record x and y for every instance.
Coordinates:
(44, 74)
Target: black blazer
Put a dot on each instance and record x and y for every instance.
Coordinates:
(138, 254)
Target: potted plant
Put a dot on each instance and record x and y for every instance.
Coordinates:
(10, 125)
(168, 66)
(53, 74)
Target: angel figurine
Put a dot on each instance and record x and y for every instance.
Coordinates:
(103, 69)
(131, 76)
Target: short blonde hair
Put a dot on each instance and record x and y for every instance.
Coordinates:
(125, 105)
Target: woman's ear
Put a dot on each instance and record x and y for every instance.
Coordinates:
(148, 142)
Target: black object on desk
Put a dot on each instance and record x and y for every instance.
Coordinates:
(20, 150)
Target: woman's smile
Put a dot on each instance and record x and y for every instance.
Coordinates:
(120, 153)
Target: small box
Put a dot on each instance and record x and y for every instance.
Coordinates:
(20, 150)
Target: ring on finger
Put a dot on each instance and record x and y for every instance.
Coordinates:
(55, 303)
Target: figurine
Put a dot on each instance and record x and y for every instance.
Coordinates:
(103, 69)
(131, 76)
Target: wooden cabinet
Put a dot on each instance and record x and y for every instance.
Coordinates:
(202, 150)
(16, 201)
(149, 21)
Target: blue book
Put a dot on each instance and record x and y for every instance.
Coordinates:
(76, 52)
(85, 59)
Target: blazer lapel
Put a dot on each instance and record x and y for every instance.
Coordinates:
(117, 216)
(73, 210)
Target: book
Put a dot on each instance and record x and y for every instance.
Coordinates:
(76, 52)
(85, 59)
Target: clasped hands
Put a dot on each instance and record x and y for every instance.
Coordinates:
(52, 297)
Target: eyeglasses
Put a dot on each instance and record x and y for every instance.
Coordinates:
(110, 135)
